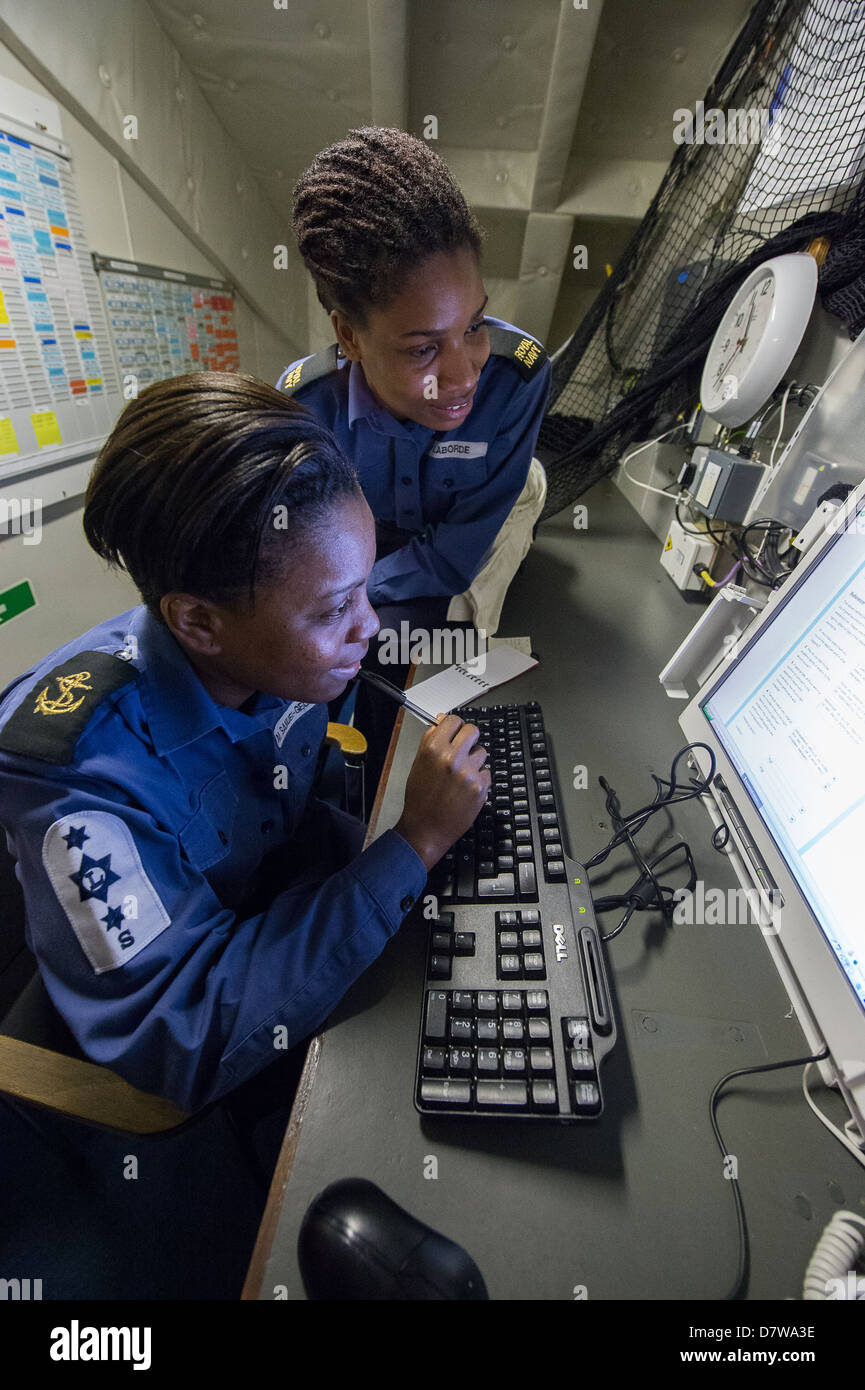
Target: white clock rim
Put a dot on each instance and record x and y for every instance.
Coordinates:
(795, 276)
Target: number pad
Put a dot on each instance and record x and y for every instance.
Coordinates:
(502, 1049)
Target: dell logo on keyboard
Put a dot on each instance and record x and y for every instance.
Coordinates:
(559, 938)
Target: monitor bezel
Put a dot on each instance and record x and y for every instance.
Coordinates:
(819, 989)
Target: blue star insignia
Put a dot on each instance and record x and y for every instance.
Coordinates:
(76, 837)
(94, 878)
(114, 918)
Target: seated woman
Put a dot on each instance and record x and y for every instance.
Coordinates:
(437, 404)
(193, 914)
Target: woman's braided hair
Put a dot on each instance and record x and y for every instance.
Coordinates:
(369, 209)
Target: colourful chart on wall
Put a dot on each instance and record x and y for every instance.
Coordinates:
(59, 388)
(165, 322)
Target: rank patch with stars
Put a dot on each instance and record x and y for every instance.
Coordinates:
(97, 874)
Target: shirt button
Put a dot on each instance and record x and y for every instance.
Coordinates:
(406, 903)
(305, 751)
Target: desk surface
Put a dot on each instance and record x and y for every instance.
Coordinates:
(637, 1205)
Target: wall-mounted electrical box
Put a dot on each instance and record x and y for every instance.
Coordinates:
(723, 484)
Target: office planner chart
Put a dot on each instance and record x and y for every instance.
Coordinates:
(166, 322)
(59, 388)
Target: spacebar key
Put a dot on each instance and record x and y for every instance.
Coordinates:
(501, 887)
(505, 1094)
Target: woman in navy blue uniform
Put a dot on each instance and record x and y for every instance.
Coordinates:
(194, 912)
(437, 404)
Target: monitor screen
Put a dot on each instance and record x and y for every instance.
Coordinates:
(790, 715)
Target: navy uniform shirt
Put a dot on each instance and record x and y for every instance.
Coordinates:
(452, 489)
(182, 951)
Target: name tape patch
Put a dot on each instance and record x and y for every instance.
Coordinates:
(97, 874)
(458, 449)
(295, 711)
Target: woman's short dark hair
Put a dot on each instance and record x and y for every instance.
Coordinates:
(203, 481)
(368, 209)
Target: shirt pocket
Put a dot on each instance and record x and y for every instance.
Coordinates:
(206, 837)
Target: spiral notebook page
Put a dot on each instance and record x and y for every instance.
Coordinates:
(459, 684)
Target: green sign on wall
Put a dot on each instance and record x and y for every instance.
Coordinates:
(16, 600)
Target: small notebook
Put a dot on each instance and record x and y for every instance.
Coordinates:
(459, 684)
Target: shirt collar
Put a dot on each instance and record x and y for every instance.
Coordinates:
(176, 705)
(362, 405)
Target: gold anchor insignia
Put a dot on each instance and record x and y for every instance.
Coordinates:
(65, 702)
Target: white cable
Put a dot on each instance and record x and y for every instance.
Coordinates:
(824, 1119)
(780, 424)
(835, 1257)
(626, 460)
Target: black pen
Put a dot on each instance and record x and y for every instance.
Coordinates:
(387, 688)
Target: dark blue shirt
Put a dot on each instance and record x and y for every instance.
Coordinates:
(191, 913)
(454, 488)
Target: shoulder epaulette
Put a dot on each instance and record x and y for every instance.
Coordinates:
(53, 716)
(320, 364)
(525, 353)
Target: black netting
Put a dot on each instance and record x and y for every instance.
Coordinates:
(780, 165)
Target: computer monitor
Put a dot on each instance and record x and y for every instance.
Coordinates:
(784, 714)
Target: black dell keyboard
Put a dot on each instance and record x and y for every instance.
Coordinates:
(516, 1016)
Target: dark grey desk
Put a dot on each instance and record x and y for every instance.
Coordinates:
(637, 1205)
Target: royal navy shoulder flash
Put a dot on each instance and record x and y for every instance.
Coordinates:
(319, 365)
(525, 353)
(52, 717)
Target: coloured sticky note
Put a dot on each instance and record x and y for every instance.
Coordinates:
(45, 427)
(4, 316)
(8, 438)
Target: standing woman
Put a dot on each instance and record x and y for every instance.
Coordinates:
(437, 405)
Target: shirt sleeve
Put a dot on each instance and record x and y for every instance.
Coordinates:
(446, 558)
(155, 977)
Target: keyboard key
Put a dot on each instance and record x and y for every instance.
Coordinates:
(464, 943)
(504, 1095)
(581, 1063)
(506, 919)
(533, 964)
(541, 1059)
(433, 1059)
(440, 967)
(539, 1029)
(528, 880)
(523, 837)
(501, 887)
(525, 852)
(512, 1002)
(578, 1032)
(508, 940)
(555, 868)
(461, 1030)
(436, 1015)
(512, 1029)
(445, 1092)
(530, 917)
(515, 1060)
(462, 1001)
(486, 1002)
(488, 1061)
(544, 1094)
(441, 941)
(536, 1001)
(586, 1097)
(531, 940)
(487, 1030)
(509, 965)
(505, 862)
(460, 1059)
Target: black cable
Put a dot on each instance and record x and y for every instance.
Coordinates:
(744, 1256)
(647, 892)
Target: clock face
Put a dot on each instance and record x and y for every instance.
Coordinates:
(757, 338)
